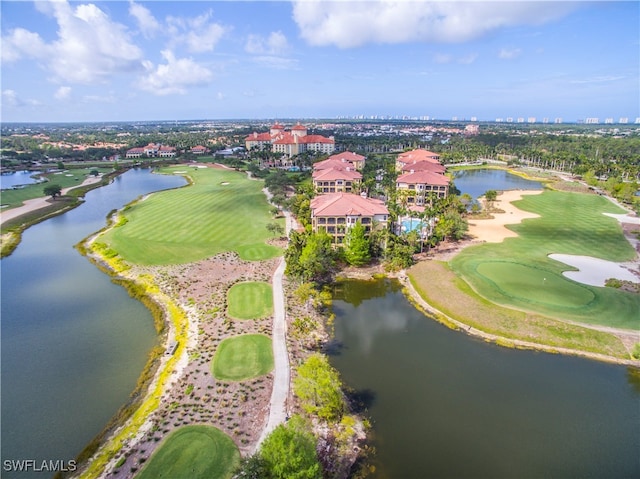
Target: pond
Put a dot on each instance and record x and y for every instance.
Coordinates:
(9, 180)
(446, 405)
(73, 342)
(477, 182)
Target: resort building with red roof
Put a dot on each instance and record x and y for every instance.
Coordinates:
(421, 174)
(335, 213)
(333, 180)
(290, 143)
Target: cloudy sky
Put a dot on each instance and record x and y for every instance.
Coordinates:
(180, 60)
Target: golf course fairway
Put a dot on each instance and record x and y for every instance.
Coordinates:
(517, 272)
(221, 210)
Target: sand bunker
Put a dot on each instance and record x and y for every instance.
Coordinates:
(594, 271)
(493, 230)
(224, 183)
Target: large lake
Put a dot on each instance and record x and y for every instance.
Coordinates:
(73, 343)
(446, 405)
(477, 182)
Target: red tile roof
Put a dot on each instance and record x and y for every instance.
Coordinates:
(348, 156)
(299, 127)
(316, 139)
(424, 178)
(331, 174)
(259, 137)
(418, 155)
(330, 163)
(422, 166)
(346, 204)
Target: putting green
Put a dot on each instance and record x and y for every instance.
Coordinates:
(250, 300)
(534, 285)
(220, 211)
(193, 452)
(517, 272)
(243, 357)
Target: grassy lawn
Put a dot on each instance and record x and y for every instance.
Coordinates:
(193, 452)
(517, 272)
(221, 211)
(243, 357)
(441, 288)
(250, 300)
(65, 179)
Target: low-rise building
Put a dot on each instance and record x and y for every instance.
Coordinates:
(416, 156)
(335, 213)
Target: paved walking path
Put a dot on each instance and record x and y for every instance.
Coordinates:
(281, 375)
(37, 203)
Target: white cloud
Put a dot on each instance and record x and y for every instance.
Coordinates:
(275, 44)
(174, 76)
(509, 53)
(10, 98)
(62, 93)
(89, 48)
(598, 79)
(468, 59)
(199, 34)
(352, 24)
(147, 23)
(442, 58)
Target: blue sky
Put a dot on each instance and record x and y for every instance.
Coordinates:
(181, 60)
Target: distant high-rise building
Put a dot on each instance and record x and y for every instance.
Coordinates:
(509, 119)
(557, 120)
(623, 120)
(454, 118)
(499, 120)
(637, 122)
(545, 120)
(592, 121)
(520, 119)
(474, 118)
(608, 121)
(531, 119)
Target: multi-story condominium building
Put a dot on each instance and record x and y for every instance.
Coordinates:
(335, 213)
(333, 180)
(290, 143)
(419, 184)
(355, 160)
(414, 157)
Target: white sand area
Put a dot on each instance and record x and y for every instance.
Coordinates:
(493, 230)
(595, 271)
(625, 218)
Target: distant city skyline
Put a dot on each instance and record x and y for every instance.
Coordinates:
(531, 62)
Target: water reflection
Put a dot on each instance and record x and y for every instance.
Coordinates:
(444, 404)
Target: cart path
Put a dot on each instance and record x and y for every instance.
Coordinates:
(282, 374)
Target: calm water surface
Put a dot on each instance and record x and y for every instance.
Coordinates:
(7, 180)
(445, 405)
(73, 343)
(477, 182)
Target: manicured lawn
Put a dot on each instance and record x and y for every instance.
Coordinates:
(518, 273)
(250, 300)
(243, 357)
(441, 288)
(221, 211)
(73, 177)
(193, 452)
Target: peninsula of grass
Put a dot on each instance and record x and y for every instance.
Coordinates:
(250, 300)
(448, 293)
(243, 357)
(65, 179)
(518, 274)
(193, 452)
(221, 210)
